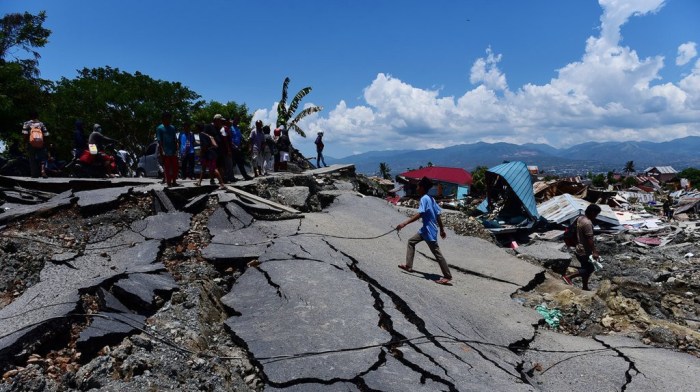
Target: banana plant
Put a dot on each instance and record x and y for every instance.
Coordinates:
(285, 114)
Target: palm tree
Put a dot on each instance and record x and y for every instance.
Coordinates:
(385, 170)
(629, 167)
(285, 114)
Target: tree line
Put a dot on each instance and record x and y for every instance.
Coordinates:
(128, 106)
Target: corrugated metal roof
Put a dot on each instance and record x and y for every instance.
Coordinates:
(519, 179)
(561, 209)
(662, 169)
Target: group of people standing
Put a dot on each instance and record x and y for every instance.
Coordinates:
(221, 145)
(221, 148)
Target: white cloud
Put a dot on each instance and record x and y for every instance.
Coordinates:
(486, 71)
(686, 52)
(609, 94)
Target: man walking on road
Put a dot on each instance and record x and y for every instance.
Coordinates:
(429, 211)
(585, 247)
(319, 151)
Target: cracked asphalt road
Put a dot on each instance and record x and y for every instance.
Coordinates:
(326, 313)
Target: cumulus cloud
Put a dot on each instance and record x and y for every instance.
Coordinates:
(686, 52)
(611, 93)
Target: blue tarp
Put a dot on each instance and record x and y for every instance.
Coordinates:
(518, 178)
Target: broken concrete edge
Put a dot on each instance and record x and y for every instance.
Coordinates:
(259, 199)
(43, 334)
(37, 210)
(95, 208)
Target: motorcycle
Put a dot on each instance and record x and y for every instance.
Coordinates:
(93, 164)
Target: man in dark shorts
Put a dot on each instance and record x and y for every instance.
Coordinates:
(586, 246)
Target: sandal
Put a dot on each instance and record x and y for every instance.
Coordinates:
(444, 282)
(405, 268)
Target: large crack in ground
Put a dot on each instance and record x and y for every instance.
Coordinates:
(631, 371)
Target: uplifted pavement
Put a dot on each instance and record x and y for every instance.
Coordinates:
(327, 309)
(320, 304)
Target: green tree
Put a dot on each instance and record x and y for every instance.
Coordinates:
(285, 114)
(23, 33)
(128, 106)
(598, 180)
(430, 164)
(611, 177)
(385, 170)
(479, 181)
(207, 111)
(629, 181)
(21, 91)
(693, 175)
(629, 167)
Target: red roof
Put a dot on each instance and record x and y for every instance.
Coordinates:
(453, 175)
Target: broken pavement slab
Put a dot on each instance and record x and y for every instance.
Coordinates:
(107, 329)
(653, 369)
(100, 199)
(140, 289)
(283, 313)
(295, 196)
(163, 226)
(11, 212)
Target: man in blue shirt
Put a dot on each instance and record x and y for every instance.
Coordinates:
(187, 144)
(429, 212)
(237, 147)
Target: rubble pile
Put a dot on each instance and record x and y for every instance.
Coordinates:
(136, 287)
(649, 287)
(463, 224)
(185, 325)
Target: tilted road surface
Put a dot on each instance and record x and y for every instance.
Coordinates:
(327, 309)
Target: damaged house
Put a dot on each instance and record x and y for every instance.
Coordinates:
(662, 174)
(510, 200)
(450, 182)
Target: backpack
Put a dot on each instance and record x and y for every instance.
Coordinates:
(36, 137)
(570, 236)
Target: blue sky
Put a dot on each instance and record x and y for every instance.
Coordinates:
(409, 74)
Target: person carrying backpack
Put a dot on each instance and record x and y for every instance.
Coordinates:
(35, 133)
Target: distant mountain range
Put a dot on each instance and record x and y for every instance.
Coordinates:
(578, 159)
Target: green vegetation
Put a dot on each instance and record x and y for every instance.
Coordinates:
(384, 171)
(629, 167)
(629, 182)
(21, 91)
(598, 181)
(285, 114)
(478, 187)
(693, 175)
(127, 106)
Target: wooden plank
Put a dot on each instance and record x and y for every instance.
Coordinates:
(332, 168)
(261, 200)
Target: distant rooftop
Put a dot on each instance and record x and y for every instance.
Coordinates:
(662, 169)
(453, 175)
